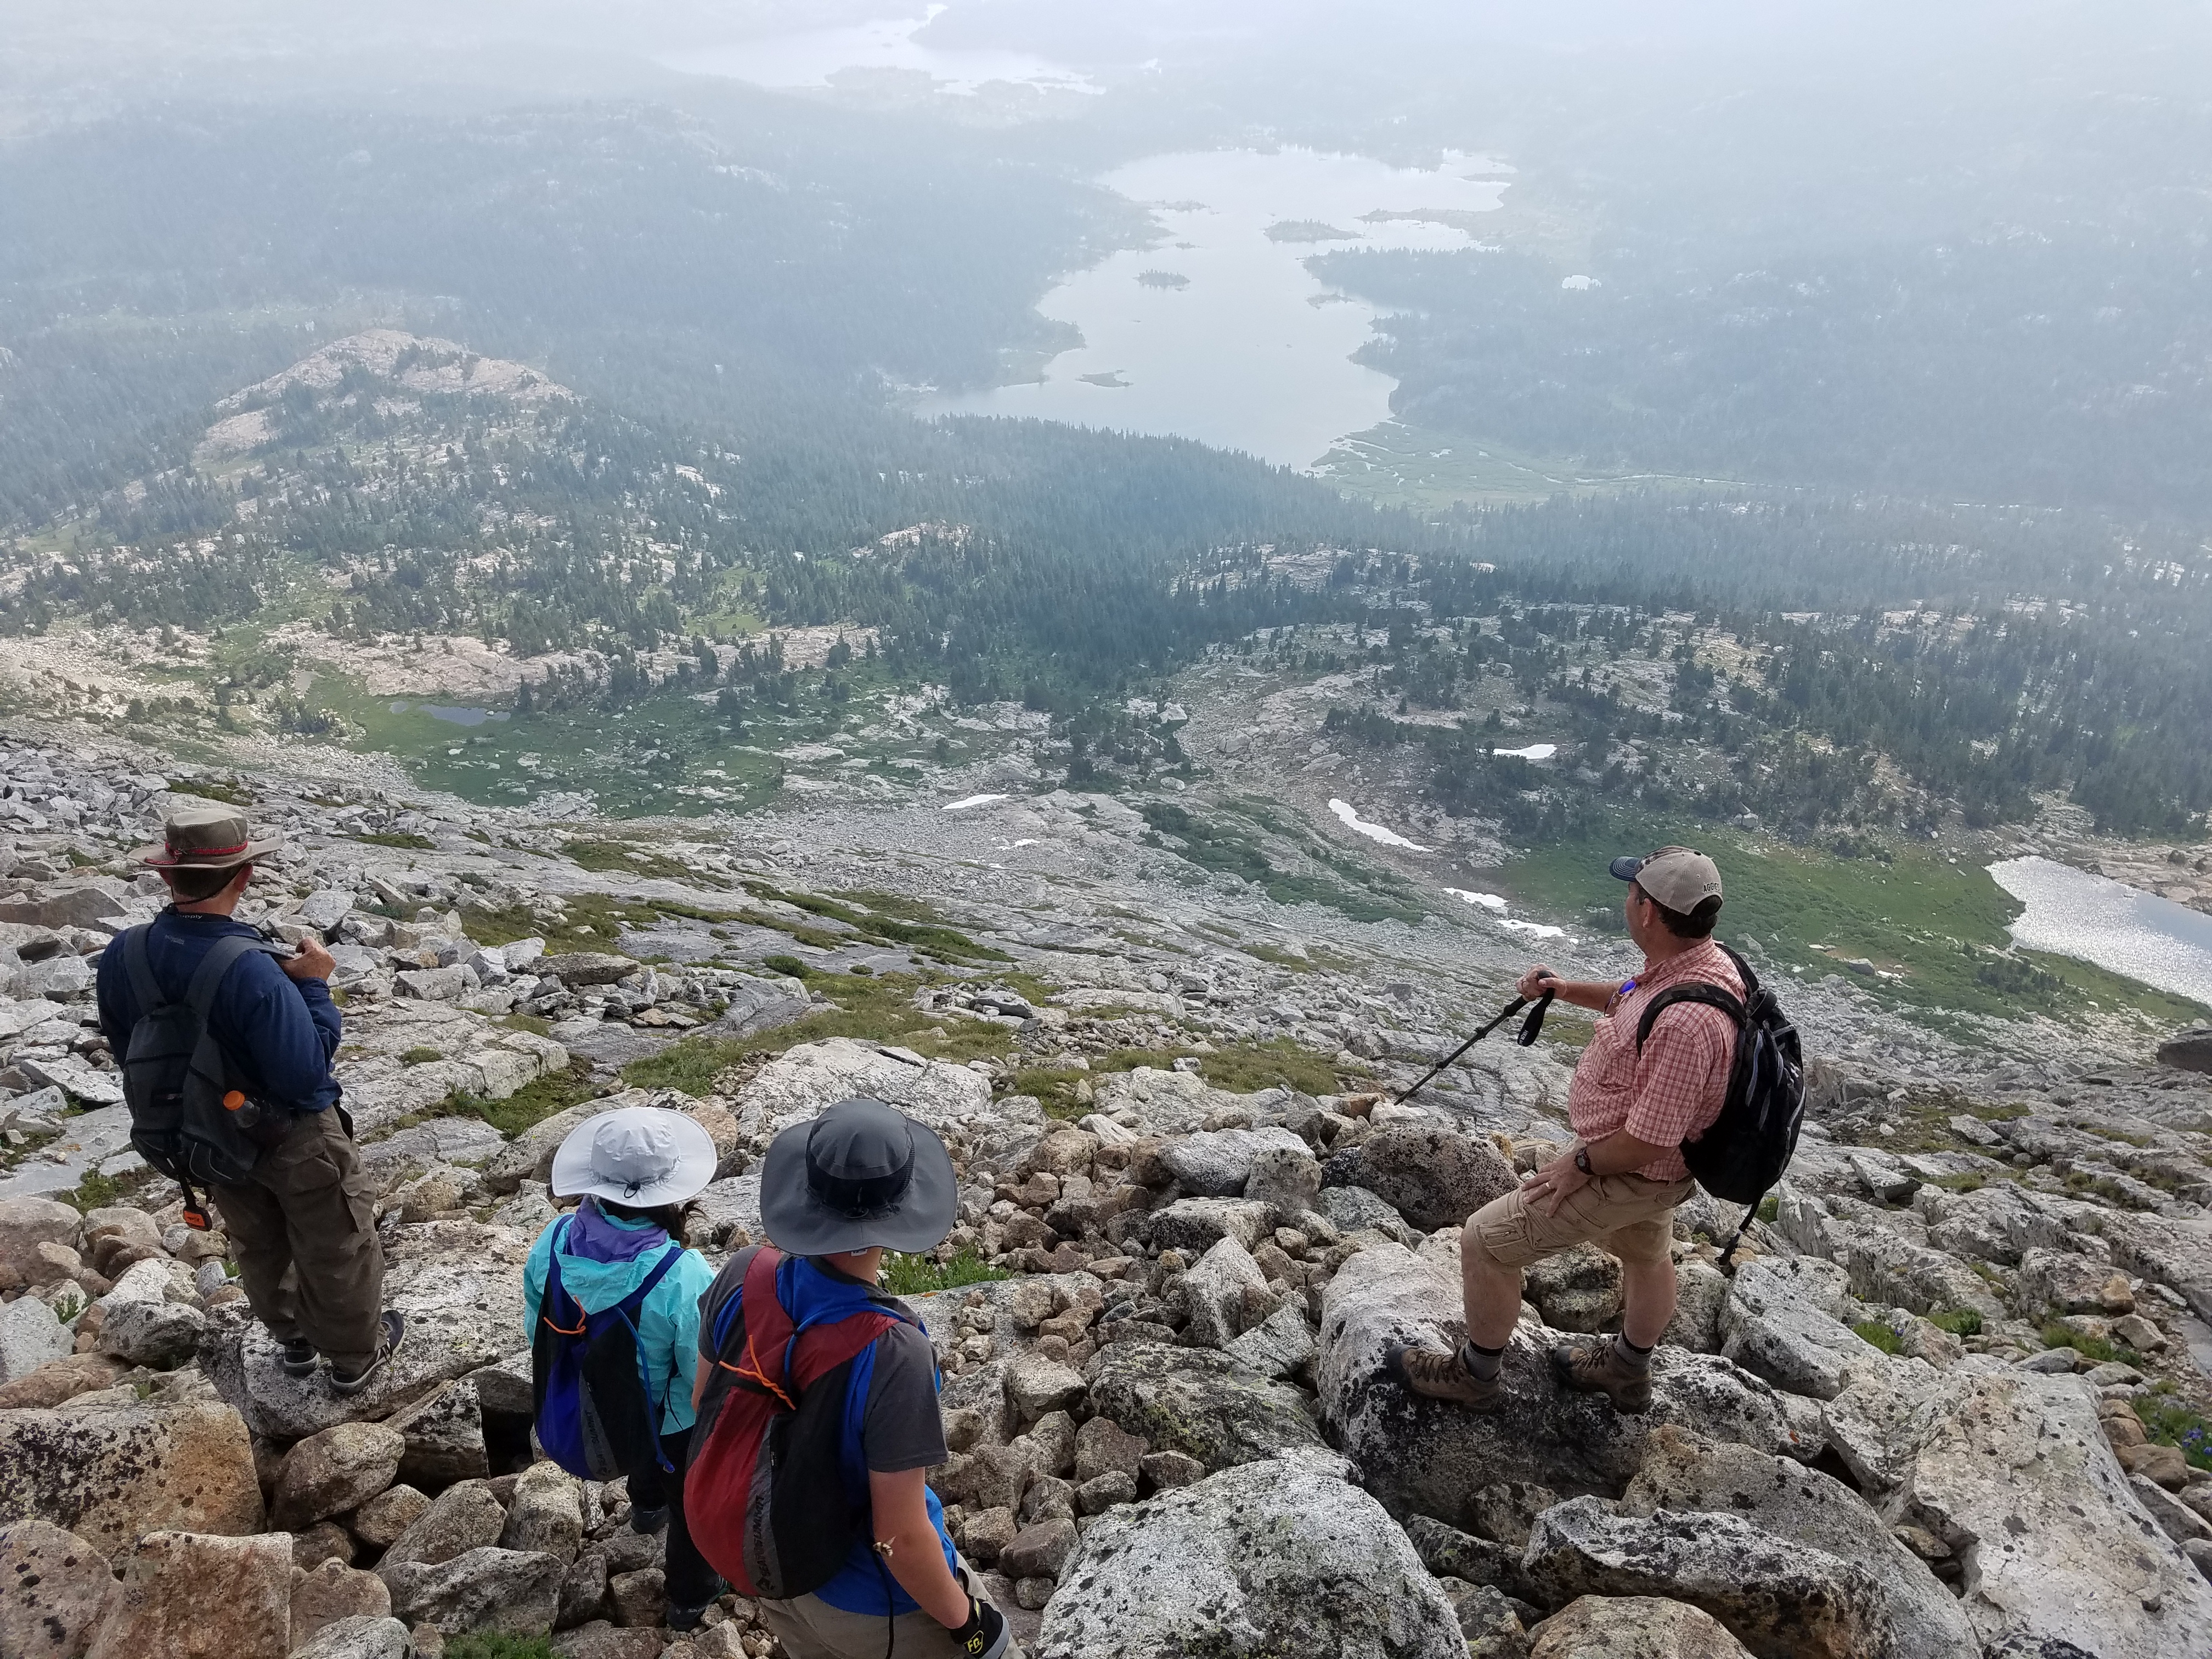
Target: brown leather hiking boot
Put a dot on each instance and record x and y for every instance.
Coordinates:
(1597, 1367)
(1443, 1376)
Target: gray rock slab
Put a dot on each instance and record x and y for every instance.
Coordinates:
(30, 1335)
(1776, 1323)
(1277, 1557)
(95, 1142)
(2012, 1471)
(1684, 1471)
(459, 1283)
(608, 1042)
(1427, 1455)
(1776, 1596)
(1201, 1402)
(1218, 1163)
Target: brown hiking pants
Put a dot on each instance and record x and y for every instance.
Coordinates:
(303, 1232)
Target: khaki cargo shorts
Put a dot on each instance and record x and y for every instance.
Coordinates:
(1629, 1217)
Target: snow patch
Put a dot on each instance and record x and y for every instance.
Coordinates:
(1535, 929)
(962, 805)
(1389, 837)
(1487, 901)
(1534, 751)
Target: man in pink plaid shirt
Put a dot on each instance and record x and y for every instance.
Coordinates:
(1618, 1184)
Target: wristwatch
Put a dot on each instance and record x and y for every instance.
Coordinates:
(1581, 1162)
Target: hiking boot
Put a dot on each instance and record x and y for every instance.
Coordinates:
(297, 1358)
(687, 1617)
(395, 1333)
(1444, 1377)
(1598, 1368)
(647, 1520)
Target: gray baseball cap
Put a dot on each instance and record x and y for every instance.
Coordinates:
(645, 1156)
(1678, 877)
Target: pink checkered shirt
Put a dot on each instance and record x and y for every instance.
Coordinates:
(1672, 1092)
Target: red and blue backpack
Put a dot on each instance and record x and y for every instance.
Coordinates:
(597, 1410)
(794, 1352)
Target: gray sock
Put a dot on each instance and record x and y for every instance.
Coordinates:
(1636, 1358)
(1483, 1364)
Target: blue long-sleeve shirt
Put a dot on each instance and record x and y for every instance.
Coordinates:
(278, 1032)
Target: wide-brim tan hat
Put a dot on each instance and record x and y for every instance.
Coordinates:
(207, 838)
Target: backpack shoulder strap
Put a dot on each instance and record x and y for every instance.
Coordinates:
(208, 977)
(668, 1259)
(760, 1281)
(1696, 990)
(825, 1347)
(1743, 972)
(140, 967)
(556, 1287)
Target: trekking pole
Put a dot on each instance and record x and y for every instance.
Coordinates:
(1531, 1029)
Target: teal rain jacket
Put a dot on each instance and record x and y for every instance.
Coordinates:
(667, 1323)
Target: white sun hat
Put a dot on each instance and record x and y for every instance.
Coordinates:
(643, 1156)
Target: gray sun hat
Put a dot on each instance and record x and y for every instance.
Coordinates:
(645, 1156)
(860, 1175)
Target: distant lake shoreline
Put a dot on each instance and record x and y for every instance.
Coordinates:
(1219, 332)
(2071, 913)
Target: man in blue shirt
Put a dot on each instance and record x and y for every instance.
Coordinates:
(303, 1229)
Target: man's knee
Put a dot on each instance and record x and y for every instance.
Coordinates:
(1477, 1254)
(1645, 1245)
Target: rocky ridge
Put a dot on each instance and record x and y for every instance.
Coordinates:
(1934, 1410)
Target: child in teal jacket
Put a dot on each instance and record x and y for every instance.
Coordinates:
(635, 1169)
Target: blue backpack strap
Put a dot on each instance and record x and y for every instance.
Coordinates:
(627, 1310)
(554, 1287)
(854, 1457)
(668, 1259)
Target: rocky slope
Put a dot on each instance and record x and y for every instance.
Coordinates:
(1943, 1406)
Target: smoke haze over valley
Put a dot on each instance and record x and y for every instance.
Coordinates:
(1147, 557)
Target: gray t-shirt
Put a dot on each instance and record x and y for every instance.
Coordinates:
(902, 1428)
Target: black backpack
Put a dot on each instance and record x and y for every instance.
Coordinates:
(186, 1120)
(1740, 1157)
